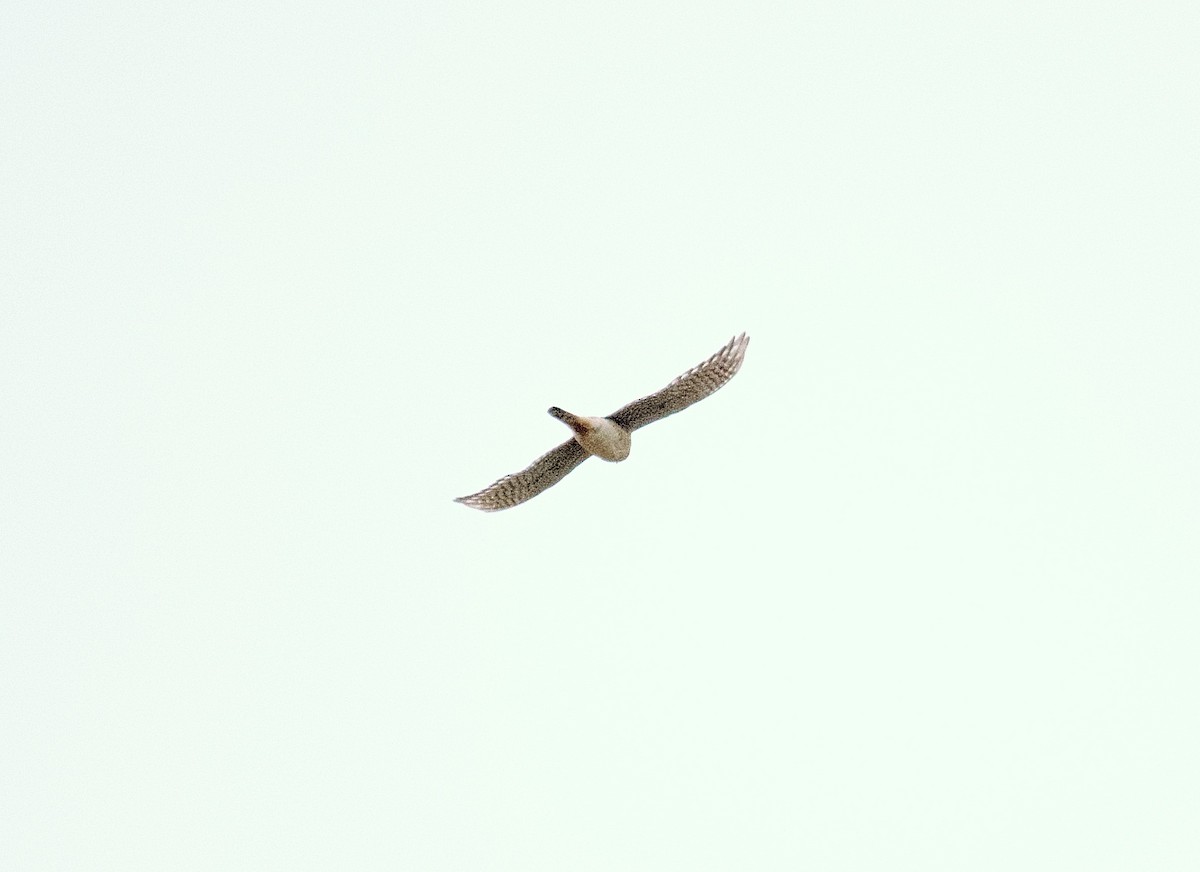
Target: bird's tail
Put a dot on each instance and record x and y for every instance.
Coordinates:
(573, 421)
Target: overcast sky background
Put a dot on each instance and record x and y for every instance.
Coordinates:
(916, 590)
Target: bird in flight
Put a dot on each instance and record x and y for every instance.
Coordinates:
(608, 438)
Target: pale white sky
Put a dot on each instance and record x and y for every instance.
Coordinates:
(916, 591)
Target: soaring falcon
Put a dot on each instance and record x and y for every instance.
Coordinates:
(608, 438)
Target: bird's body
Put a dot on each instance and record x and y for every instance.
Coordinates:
(600, 437)
(609, 437)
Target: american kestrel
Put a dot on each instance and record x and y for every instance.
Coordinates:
(608, 438)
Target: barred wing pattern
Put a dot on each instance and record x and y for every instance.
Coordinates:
(691, 387)
(512, 490)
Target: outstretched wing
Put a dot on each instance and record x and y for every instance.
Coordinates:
(512, 490)
(691, 387)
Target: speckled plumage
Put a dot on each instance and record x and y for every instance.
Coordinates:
(598, 436)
